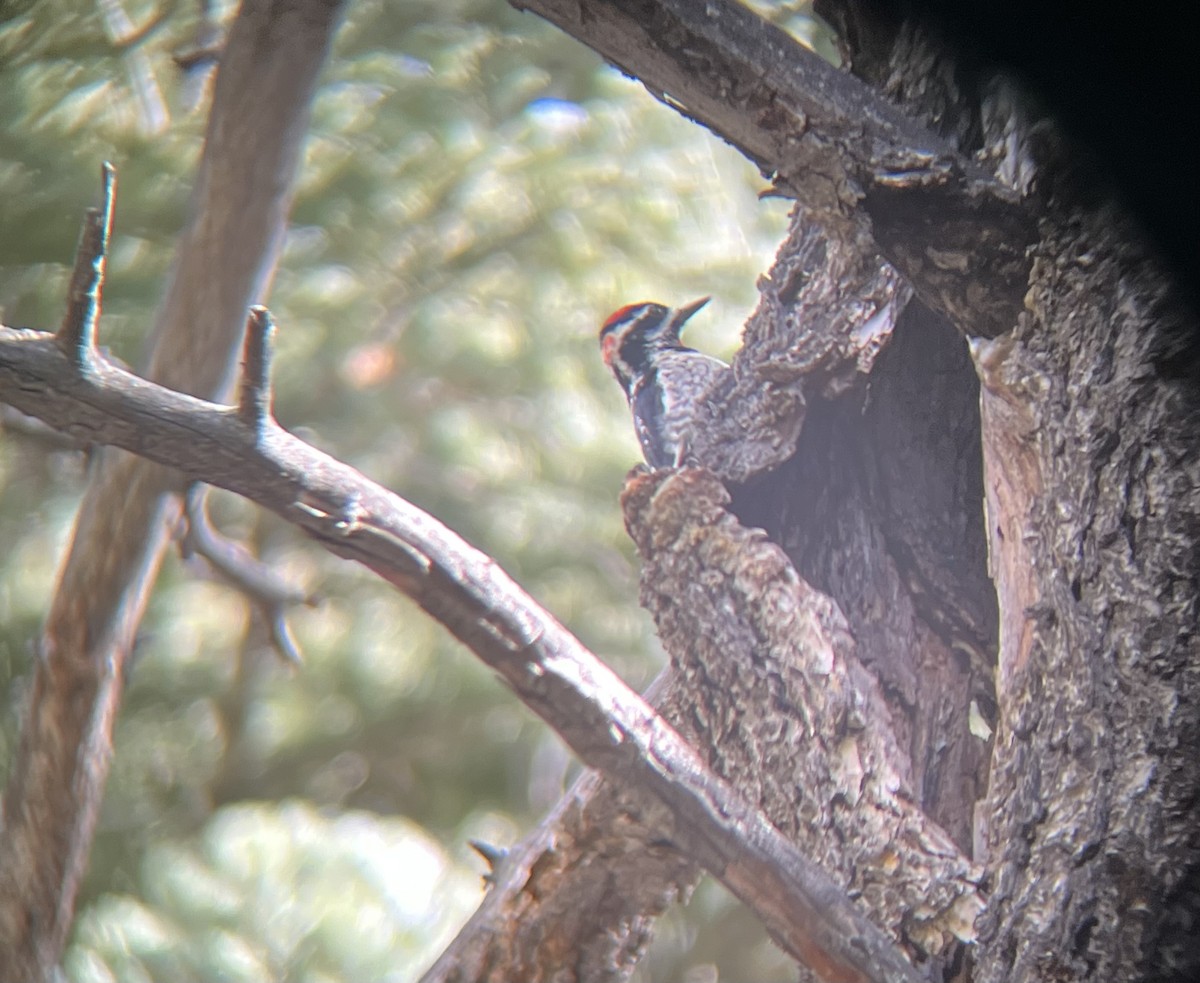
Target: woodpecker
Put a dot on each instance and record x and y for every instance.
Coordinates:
(662, 379)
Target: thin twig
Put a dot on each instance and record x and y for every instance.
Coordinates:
(254, 389)
(77, 333)
(233, 563)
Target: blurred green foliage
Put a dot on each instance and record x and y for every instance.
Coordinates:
(478, 192)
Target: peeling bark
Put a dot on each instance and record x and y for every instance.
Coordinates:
(844, 673)
(956, 232)
(826, 310)
(1091, 444)
(875, 485)
(784, 708)
(1094, 463)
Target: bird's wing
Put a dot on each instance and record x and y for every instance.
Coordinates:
(650, 426)
(664, 405)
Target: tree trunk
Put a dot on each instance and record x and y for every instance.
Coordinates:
(1016, 561)
(958, 669)
(1094, 505)
(1091, 452)
(225, 260)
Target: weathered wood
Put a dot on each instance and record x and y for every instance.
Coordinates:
(224, 260)
(823, 137)
(1093, 463)
(785, 708)
(1090, 422)
(881, 509)
(582, 889)
(826, 310)
(603, 721)
(876, 492)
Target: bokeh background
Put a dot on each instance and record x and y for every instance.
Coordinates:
(478, 193)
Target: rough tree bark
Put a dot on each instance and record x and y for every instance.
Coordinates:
(1083, 441)
(856, 665)
(914, 582)
(67, 382)
(225, 260)
(1089, 418)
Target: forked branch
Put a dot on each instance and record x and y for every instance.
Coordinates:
(607, 724)
(225, 253)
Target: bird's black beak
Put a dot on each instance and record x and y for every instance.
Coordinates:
(685, 312)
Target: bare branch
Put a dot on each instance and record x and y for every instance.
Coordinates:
(197, 59)
(129, 39)
(826, 310)
(13, 421)
(261, 585)
(254, 389)
(590, 879)
(825, 138)
(607, 724)
(126, 36)
(224, 261)
(77, 333)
